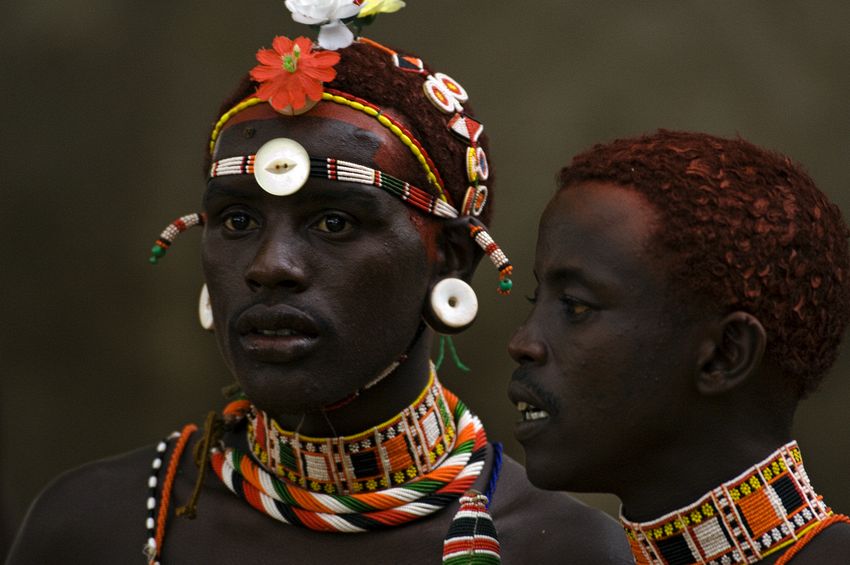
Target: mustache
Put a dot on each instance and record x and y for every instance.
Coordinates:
(524, 377)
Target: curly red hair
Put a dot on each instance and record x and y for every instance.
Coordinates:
(369, 73)
(744, 228)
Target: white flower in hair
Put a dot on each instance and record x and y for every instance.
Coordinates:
(328, 14)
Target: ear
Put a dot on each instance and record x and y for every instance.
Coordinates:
(731, 354)
(457, 257)
(458, 254)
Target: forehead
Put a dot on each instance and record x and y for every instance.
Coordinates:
(597, 228)
(328, 130)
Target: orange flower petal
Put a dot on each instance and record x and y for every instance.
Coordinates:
(282, 45)
(269, 57)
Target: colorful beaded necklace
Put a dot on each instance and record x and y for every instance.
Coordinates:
(765, 509)
(407, 447)
(344, 492)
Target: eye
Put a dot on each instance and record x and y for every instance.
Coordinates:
(239, 221)
(334, 223)
(575, 309)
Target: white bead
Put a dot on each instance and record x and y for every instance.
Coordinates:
(157, 463)
(454, 302)
(281, 166)
(150, 523)
(152, 482)
(151, 503)
(161, 447)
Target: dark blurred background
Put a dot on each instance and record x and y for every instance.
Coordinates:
(106, 109)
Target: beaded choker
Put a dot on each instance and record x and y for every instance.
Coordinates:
(767, 508)
(407, 468)
(407, 447)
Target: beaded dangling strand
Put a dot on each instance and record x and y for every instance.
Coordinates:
(496, 255)
(170, 233)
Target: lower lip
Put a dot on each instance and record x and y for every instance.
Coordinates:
(278, 349)
(524, 430)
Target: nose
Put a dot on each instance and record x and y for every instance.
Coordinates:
(525, 348)
(277, 264)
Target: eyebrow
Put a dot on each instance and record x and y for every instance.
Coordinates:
(569, 273)
(362, 194)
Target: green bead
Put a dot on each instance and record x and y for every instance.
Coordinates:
(506, 284)
(153, 260)
(157, 251)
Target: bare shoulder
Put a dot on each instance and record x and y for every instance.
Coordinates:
(539, 526)
(88, 514)
(831, 546)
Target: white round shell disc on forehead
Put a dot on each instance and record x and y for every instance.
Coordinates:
(281, 166)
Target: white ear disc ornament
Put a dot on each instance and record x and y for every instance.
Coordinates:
(205, 314)
(281, 166)
(454, 302)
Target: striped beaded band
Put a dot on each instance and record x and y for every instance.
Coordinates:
(472, 536)
(407, 447)
(346, 171)
(344, 99)
(765, 509)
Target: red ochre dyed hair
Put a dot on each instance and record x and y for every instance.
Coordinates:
(743, 228)
(369, 73)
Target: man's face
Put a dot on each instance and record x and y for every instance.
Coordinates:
(607, 356)
(316, 293)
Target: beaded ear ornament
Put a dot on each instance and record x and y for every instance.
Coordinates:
(291, 79)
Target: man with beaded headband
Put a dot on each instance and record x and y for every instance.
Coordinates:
(691, 290)
(346, 206)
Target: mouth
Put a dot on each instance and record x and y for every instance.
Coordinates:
(277, 334)
(529, 412)
(534, 414)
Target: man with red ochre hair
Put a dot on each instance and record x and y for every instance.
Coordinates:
(691, 290)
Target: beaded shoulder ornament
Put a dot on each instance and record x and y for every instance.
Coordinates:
(769, 507)
(291, 79)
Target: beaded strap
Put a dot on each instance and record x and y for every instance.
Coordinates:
(346, 171)
(156, 527)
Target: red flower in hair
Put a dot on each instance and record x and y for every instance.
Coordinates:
(291, 72)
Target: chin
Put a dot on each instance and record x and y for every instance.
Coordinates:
(543, 471)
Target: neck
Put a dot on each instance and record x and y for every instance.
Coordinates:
(685, 470)
(766, 506)
(362, 409)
